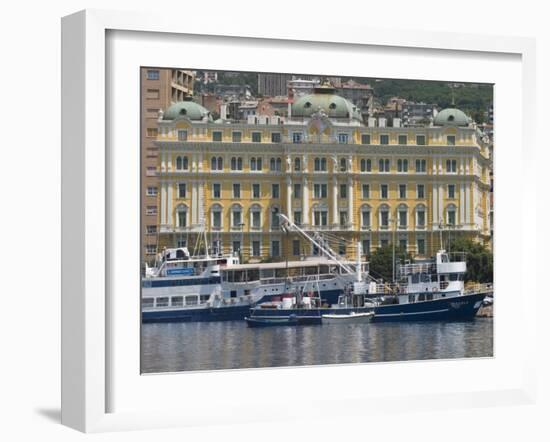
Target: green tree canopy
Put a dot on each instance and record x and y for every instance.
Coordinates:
(479, 259)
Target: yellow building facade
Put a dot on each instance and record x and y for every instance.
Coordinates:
(328, 172)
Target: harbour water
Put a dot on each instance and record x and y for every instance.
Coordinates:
(173, 347)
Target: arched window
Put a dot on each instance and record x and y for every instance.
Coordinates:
(317, 164)
(320, 215)
(236, 163)
(275, 221)
(181, 215)
(365, 216)
(255, 216)
(216, 220)
(259, 163)
(185, 163)
(220, 163)
(402, 216)
(253, 163)
(384, 216)
(179, 163)
(279, 164)
(324, 164)
(420, 216)
(297, 164)
(237, 216)
(213, 163)
(366, 165)
(272, 165)
(384, 165)
(343, 165)
(451, 215)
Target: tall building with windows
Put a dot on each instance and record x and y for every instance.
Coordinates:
(328, 172)
(159, 89)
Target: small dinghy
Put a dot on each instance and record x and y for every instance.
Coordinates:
(270, 322)
(348, 318)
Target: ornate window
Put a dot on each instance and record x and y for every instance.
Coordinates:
(451, 215)
(365, 216)
(256, 216)
(402, 215)
(384, 165)
(256, 163)
(402, 165)
(366, 165)
(420, 166)
(216, 163)
(384, 216)
(216, 219)
(275, 164)
(343, 165)
(181, 215)
(236, 163)
(275, 221)
(420, 216)
(182, 163)
(236, 216)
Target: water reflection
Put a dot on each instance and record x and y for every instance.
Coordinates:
(226, 345)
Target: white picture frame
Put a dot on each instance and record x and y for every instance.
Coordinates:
(86, 310)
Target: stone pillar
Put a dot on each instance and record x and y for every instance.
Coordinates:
(289, 213)
(169, 217)
(305, 201)
(200, 203)
(350, 201)
(434, 204)
(462, 204)
(194, 202)
(162, 203)
(468, 204)
(169, 162)
(441, 193)
(335, 201)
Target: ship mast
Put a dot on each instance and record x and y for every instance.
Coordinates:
(316, 241)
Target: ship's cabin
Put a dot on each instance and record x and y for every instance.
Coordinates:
(179, 262)
(426, 280)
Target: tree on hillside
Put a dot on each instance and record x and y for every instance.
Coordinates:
(479, 260)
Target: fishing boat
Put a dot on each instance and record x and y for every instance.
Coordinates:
(302, 302)
(348, 318)
(424, 290)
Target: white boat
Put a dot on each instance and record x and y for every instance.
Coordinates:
(348, 318)
(183, 287)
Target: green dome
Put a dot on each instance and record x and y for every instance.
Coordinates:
(451, 117)
(188, 109)
(333, 105)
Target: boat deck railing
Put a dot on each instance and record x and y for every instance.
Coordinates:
(304, 278)
(409, 269)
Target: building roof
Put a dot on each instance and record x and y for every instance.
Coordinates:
(451, 117)
(188, 109)
(323, 98)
